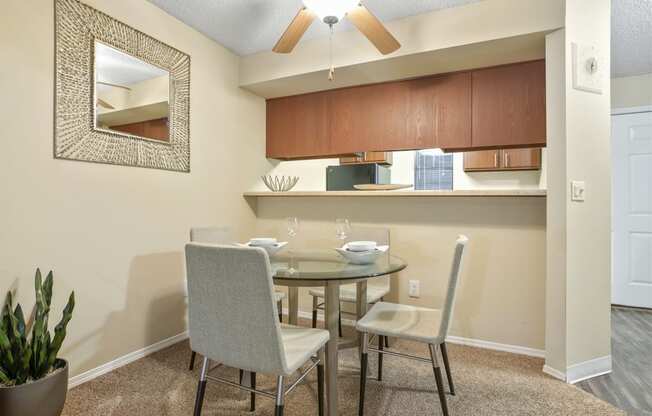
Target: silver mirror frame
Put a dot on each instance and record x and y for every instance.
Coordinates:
(77, 27)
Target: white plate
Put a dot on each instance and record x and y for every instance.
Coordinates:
(360, 246)
(261, 242)
(362, 257)
(271, 250)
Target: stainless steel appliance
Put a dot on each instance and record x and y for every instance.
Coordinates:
(343, 177)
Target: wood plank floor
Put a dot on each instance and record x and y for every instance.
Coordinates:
(629, 386)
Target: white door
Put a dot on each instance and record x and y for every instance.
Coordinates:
(631, 139)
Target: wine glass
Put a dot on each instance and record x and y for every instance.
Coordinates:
(293, 226)
(342, 228)
(293, 230)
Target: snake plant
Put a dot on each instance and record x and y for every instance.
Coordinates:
(27, 350)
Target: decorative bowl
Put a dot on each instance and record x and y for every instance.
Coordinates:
(271, 250)
(362, 257)
(262, 241)
(361, 245)
(282, 184)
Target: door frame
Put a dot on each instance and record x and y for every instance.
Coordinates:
(618, 112)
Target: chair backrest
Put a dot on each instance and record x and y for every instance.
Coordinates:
(456, 268)
(211, 235)
(232, 313)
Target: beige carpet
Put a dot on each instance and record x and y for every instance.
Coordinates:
(487, 382)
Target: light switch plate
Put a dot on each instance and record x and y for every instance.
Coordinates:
(587, 68)
(578, 191)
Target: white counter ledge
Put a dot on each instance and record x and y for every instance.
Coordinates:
(538, 193)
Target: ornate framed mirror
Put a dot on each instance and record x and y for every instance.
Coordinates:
(121, 96)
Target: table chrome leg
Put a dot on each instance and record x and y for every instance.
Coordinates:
(293, 305)
(332, 311)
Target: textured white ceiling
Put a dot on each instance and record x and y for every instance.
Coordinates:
(631, 41)
(120, 68)
(249, 26)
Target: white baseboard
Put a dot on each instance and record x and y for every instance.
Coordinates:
(588, 369)
(124, 360)
(133, 356)
(554, 372)
(489, 345)
(515, 349)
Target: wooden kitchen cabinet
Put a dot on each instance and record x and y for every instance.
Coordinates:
(368, 118)
(509, 105)
(521, 159)
(439, 113)
(383, 158)
(500, 107)
(297, 127)
(502, 159)
(482, 160)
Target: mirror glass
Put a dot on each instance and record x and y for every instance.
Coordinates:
(131, 96)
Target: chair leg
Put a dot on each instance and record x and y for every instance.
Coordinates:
(447, 367)
(382, 299)
(381, 345)
(192, 361)
(339, 322)
(279, 306)
(363, 373)
(320, 382)
(280, 396)
(315, 305)
(253, 395)
(201, 388)
(438, 379)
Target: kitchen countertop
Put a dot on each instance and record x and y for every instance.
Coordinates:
(539, 193)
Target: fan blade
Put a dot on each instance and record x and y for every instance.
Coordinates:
(104, 104)
(373, 29)
(293, 33)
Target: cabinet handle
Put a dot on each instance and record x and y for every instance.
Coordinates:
(506, 159)
(496, 160)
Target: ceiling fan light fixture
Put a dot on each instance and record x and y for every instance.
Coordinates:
(330, 11)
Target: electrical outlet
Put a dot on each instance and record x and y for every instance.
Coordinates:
(413, 288)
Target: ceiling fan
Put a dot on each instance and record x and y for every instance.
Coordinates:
(331, 12)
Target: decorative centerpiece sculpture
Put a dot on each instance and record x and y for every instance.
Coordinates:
(282, 184)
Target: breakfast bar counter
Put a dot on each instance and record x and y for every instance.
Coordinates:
(539, 193)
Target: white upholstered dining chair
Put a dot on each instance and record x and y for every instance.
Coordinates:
(234, 322)
(414, 323)
(223, 235)
(376, 290)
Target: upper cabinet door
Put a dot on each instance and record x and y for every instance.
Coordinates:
(297, 126)
(509, 105)
(368, 118)
(440, 112)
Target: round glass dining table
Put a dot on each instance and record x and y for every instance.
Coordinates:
(328, 269)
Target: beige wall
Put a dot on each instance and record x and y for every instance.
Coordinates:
(115, 234)
(588, 158)
(579, 233)
(634, 91)
(501, 297)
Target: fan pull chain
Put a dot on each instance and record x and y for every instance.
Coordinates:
(331, 71)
